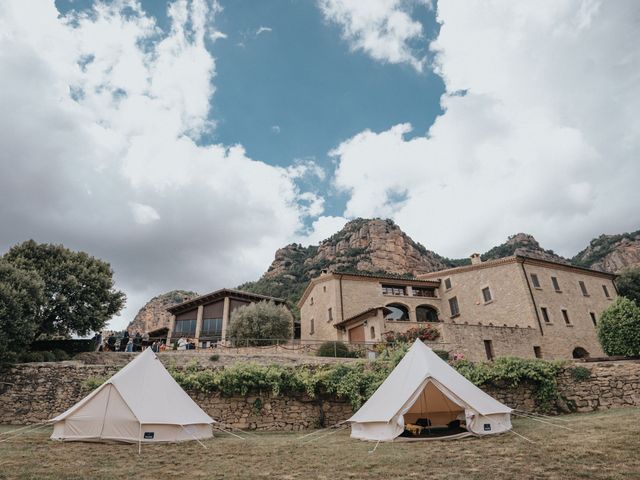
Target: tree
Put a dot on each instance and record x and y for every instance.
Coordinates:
(619, 328)
(21, 294)
(260, 323)
(78, 293)
(628, 284)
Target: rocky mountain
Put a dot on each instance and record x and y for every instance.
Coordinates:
(611, 253)
(522, 244)
(154, 314)
(374, 246)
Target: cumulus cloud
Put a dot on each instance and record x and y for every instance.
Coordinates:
(322, 228)
(382, 29)
(539, 131)
(102, 122)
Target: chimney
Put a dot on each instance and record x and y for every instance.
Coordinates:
(475, 259)
(324, 271)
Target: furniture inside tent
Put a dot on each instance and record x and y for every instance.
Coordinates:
(142, 403)
(424, 397)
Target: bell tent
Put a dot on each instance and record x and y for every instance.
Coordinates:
(422, 393)
(140, 403)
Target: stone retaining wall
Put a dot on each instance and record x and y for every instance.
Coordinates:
(30, 393)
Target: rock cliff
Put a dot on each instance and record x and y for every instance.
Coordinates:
(525, 245)
(611, 253)
(154, 314)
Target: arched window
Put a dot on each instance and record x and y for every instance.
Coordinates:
(398, 312)
(426, 313)
(580, 352)
(373, 332)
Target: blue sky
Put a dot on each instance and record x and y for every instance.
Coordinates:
(296, 91)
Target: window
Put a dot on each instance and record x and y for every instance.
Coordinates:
(373, 332)
(593, 318)
(312, 329)
(397, 312)
(424, 292)
(330, 314)
(186, 328)
(311, 301)
(565, 316)
(393, 290)
(535, 281)
(324, 288)
(426, 313)
(545, 315)
(606, 291)
(453, 306)
(583, 288)
(211, 327)
(447, 283)
(537, 352)
(556, 285)
(486, 294)
(488, 348)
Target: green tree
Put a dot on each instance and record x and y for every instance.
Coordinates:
(628, 284)
(79, 294)
(619, 328)
(21, 294)
(260, 323)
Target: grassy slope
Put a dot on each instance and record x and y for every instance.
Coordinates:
(603, 445)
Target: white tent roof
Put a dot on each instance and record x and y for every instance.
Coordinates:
(418, 365)
(151, 393)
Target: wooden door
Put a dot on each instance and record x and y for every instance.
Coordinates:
(356, 335)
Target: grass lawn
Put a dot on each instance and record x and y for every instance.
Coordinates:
(602, 445)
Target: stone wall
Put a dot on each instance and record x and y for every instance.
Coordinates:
(30, 393)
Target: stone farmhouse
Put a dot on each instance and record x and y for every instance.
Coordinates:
(205, 319)
(517, 306)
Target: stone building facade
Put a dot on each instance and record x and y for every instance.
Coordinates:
(205, 319)
(511, 306)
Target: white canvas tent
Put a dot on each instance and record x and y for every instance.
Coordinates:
(140, 403)
(424, 386)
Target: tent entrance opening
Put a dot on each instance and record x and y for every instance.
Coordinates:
(433, 414)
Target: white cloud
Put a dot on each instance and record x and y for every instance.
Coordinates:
(275, 129)
(321, 229)
(382, 29)
(102, 117)
(263, 30)
(539, 131)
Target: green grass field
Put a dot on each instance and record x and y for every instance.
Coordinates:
(602, 445)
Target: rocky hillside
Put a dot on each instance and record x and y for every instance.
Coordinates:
(611, 253)
(522, 244)
(376, 246)
(154, 314)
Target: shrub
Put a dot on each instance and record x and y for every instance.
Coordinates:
(334, 349)
(48, 357)
(443, 354)
(92, 383)
(424, 333)
(29, 357)
(619, 328)
(215, 357)
(260, 323)
(514, 371)
(60, 355)
(580, 373)
(628, 284)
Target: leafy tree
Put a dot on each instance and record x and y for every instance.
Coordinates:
(628, 284)
(20, 300)
(619, 328)
(260, 323)
(78, 296)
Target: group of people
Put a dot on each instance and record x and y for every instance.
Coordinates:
(130, 343)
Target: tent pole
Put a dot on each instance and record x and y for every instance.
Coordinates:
(139, 438)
